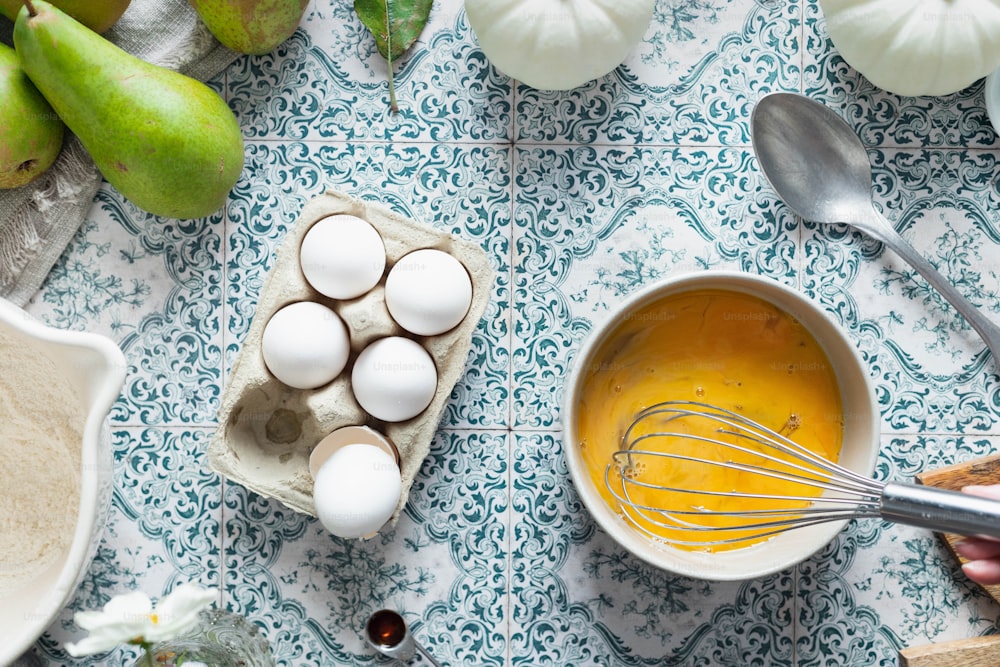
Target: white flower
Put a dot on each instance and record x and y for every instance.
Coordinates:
(131, 619)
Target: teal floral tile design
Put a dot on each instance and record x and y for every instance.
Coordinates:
(328, 82)
(884, 119)
(579, 198)
(579, 599)
(931, 370)
(691, 81)
(880, 585)
(154, 286)
(163, 529)
(443, 565)
(593, 224)
(464, 190)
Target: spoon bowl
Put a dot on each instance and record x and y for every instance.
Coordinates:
(818, 161)
(820, 169)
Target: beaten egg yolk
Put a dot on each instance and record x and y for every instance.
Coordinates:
(727, 349)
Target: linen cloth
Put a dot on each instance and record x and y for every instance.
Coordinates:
(38, 221)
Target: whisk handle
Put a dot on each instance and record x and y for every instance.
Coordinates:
(940, 510)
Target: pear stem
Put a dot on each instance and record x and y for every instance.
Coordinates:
(31, 8)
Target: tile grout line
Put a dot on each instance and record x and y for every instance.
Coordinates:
(512, 165)
(746, 146)
(197, 426)
(510, 437)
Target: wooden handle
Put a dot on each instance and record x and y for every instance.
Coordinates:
(975, 652)
(985, 471)
(979, 471)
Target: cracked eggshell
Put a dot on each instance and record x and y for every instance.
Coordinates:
(267, 429)
(356, 491)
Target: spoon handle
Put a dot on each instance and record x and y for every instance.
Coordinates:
(882, 230)
(424, 653)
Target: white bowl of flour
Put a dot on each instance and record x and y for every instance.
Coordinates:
(56, 389)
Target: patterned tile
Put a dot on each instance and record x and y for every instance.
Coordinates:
(577, 598)
(691, 81)
(882, 587)
(461, 189)
(154, 286)
(884, 119)
(932, 371)
(328, 82)
(163, 530)
(443, 566)
(579, 198)
(592, 224)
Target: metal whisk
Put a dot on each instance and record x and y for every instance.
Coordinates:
(698, 440)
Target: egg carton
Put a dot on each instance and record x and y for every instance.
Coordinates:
(267, 429)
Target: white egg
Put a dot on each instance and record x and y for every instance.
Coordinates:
(305, 345)
(428, 292)
(356, 490)
(394, 379)
(342, 256)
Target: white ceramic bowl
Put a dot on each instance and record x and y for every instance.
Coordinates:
(95, 367)
(859, 450)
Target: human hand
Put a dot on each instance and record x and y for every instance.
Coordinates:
(982, 553)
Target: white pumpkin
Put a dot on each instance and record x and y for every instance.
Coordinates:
(558, 44)
(917, 47)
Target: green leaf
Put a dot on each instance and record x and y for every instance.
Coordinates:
(395, 25)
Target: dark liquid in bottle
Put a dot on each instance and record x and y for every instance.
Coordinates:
(386, 628)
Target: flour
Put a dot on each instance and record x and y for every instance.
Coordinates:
(41, 423)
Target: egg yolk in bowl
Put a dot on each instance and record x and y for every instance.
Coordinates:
(726, 349)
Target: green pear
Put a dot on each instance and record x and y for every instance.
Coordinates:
(251, 26)
(98, 15)
(166, 141)
(31, 133)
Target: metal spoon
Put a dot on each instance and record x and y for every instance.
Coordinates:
(387, 632)
(820, 168)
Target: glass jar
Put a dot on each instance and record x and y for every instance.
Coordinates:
(221, 639)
